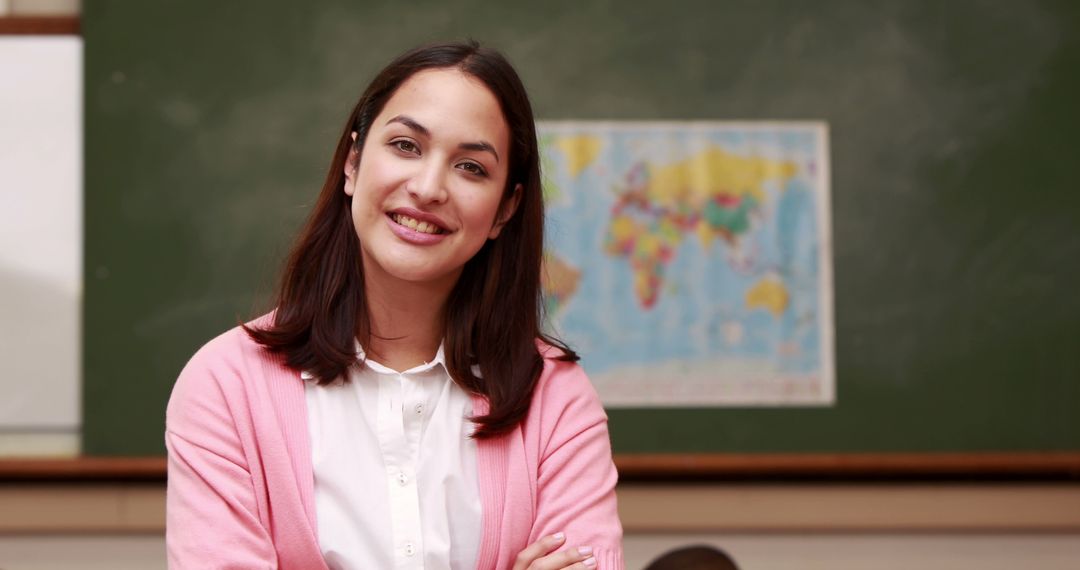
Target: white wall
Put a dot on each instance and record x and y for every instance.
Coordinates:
(41, 214)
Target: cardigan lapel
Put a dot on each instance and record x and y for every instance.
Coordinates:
(286, 390)
(492, 461)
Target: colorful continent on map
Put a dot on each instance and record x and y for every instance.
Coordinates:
(580, 151)
(559, 279)
(768, 293)
(712, 195)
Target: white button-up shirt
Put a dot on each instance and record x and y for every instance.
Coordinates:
(395, 471)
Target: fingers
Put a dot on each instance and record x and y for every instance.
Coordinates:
(582, 559)
(536, 557)
(537, 550)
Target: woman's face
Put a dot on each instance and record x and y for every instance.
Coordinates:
(427, 190)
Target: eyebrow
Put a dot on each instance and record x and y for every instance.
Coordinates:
(478, 146)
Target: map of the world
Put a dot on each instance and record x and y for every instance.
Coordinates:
(689, 263)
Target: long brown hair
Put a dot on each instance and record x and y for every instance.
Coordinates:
(495, 311)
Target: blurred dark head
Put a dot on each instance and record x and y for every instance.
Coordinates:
(700, 557)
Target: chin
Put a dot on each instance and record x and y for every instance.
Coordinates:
(418, 273)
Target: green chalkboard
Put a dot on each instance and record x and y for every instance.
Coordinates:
(956, 213)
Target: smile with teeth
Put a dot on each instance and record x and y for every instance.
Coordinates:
(417, 225)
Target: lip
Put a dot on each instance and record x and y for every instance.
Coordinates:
(412, 236)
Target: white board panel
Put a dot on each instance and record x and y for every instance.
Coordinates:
(41, 236)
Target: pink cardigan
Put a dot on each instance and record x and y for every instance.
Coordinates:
(240, 490)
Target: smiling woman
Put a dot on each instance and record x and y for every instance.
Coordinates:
(429, 191)
(400, 407)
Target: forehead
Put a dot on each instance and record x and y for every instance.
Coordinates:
(449, 103)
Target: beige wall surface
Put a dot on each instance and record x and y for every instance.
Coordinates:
(842, 551)
(41, 8)
(84, 552)
(885, 507)
(769, 527)
(647, 509)
(872, 551)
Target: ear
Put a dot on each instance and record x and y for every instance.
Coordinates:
(352, 162)
(506, 211)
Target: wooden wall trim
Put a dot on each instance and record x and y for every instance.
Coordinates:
(1049, 465)
(1060, 465)
(39, 26)
(84, 469)
(645, 508)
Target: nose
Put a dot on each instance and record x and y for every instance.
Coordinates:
(428, 184)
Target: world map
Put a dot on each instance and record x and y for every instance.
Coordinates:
(689, 263)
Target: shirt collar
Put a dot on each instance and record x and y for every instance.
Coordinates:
(440, 359)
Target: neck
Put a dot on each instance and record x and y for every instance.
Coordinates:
(407, 320)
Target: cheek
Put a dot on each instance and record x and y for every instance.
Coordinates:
(482, 208)
(376, 177)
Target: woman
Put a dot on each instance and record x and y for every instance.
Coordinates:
(401, 408)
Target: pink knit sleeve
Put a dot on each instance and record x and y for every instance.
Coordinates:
(212, 518)
(576, 480)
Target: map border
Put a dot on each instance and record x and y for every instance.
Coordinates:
(826, 317)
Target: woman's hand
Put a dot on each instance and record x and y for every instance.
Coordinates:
(533, 557)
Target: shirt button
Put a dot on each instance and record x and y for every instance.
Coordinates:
(419, 409)
(409, 549)
(403, 479)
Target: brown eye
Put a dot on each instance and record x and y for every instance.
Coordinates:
(473, 168)
(406, 146)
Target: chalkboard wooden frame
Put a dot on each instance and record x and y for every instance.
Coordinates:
(957, 337)
(672, 467)
(38, 26)
(1051, 465)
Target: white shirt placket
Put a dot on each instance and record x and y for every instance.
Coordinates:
(399, 439)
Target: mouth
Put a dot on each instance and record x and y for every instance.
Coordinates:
(414, 224)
